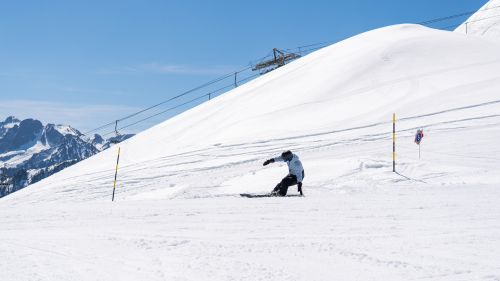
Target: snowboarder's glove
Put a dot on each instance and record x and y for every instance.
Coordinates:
(299, 188)
(267, 162)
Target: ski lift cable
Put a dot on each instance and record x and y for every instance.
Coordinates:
(487, 9)
(183, 94)
(446, 18)
(487, 18)
(253, 62)
(99, 128)
(450, 26)
(300, 48)
(455, 16)
(170, 99)
(159, 113)
(472, 21)
(185, 103)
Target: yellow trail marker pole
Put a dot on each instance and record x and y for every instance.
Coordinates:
(394, 142)
(116, 173)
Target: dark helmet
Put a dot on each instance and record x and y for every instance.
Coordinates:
(287, 155)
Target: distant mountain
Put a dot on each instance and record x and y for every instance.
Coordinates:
(31, 151)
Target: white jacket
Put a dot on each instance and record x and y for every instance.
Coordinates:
(294, 166)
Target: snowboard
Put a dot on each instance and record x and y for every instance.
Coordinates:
(249, 195)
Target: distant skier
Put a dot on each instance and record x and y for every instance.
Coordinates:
(295, 173)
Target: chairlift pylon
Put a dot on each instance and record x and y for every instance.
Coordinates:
(280, 58)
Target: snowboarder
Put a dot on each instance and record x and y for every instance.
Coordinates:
(295, 173)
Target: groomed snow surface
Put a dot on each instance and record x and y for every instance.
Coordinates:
(178, 214)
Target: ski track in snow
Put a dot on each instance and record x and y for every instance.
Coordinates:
(387, 233)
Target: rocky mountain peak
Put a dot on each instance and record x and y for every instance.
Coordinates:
(34, 151)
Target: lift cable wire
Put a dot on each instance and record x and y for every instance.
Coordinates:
(301, 49)
(183, 104)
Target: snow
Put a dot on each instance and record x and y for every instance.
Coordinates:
(66, 130)
(178, 214)
(485, 22)
(10, 125)
(14, 158)
(385, 234)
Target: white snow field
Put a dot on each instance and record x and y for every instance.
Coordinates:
(485, 22)
(178, 215)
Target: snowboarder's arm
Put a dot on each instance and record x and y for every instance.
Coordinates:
(269, 161)
(275, 159)
(278, 159)
(299, 185)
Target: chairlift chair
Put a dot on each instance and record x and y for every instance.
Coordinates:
(117, 135)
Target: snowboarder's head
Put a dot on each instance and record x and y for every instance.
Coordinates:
(287, 155)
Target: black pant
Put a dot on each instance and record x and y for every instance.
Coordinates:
(287, 181)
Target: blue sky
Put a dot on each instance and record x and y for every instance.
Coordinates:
(86, 63)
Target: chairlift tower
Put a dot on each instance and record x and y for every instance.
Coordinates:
(279, 59)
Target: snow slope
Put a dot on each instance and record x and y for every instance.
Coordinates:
(485, 22)
(178, 215)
